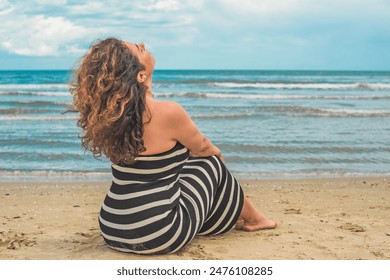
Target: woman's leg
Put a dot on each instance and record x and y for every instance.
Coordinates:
(251, 219)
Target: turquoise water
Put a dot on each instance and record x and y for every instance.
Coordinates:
(267, 123)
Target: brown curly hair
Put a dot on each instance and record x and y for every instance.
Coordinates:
(110, 101)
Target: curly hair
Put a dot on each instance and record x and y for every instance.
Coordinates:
(110, 101)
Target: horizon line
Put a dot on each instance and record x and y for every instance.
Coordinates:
(225, 69)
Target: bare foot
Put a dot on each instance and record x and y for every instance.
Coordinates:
(240, 223)
(260, 223)
(250, 219)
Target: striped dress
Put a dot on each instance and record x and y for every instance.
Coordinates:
(160, 203)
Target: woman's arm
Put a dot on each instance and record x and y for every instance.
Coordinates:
(184, 130)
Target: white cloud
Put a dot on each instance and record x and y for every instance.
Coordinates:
(161, 5)
(5, 7)
(51, 2)
(217, 28)
(40, 35)
(90, 8)
(57, 27)
(157, 22)
(261, 7)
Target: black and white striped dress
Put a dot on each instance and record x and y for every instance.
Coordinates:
(159, 204)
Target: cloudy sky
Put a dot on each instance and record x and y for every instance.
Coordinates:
(213, 34)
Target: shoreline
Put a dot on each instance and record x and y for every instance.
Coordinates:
(55, 177)
(319, 218)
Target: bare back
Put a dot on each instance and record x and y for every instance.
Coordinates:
(170, 124)
(157, 135)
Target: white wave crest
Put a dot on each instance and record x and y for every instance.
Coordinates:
(224, 116)
(269, 96)
(37, 93)
(339, 112)
(17, 87)
(323, 86)
(36, 118)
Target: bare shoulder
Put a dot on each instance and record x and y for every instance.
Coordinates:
(169, 106)
(174, 123)
(169, 109)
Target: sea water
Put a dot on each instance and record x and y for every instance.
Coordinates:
(267, 123)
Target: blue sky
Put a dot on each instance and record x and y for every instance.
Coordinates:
(214, 34)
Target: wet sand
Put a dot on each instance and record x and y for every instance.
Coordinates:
(326, 219)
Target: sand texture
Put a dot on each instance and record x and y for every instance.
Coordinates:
(345, 218)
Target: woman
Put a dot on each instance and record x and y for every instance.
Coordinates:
(169, 181)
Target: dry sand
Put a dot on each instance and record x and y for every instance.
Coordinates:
(345, 218)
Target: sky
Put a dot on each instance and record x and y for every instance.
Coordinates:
(191, 34)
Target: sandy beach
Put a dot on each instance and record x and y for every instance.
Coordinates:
(326, 219)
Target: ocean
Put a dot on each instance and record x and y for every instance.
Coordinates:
(268, 124)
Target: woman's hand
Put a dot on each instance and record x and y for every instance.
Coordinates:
(219, 154)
